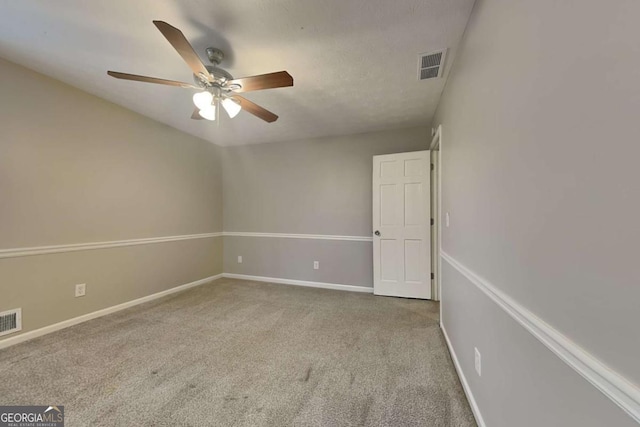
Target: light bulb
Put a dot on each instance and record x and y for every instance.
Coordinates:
(231, 106)
(203, 100)
(209, 112)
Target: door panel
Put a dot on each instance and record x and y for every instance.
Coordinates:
(388, 169)
(389, 260)
(388, 202)
(401, 214)
(413, 167)
(413, 264)
(413, 204)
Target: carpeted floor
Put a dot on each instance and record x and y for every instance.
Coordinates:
(238, 353)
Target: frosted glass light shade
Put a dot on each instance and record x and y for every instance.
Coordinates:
(231, 106)
(203, 100)
(208, 113)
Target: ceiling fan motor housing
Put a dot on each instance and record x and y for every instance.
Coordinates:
(220, 76)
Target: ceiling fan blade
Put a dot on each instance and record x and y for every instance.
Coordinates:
(256, 110)
(135, 77)
(180, 43)
(263, 81)
(196, 115)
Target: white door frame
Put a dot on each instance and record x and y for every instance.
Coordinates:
(436, 144)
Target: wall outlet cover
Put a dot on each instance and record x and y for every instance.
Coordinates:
(316, 265)
(81, 290)
(239, 259)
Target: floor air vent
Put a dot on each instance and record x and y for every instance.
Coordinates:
(10, 321)
(430, 65)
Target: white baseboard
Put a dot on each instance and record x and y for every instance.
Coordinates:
(465, 385)
(322, 285)
(70, 322)
(612, 384)
(7, 342)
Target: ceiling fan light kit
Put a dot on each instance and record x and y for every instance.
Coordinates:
(231, 106)
(208, 113)
(203, 100)
(217, 87)
(207, 101)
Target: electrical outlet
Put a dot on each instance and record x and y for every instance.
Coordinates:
(239, 259)
(316, 265)
(478, 362)
(81, 290)
(447, 219)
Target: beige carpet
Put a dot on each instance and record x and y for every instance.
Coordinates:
(247, 354)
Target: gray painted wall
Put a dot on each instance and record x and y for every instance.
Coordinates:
(77, 169)
(523, 383)
(315, 186)
(541, 180)
(341, 262)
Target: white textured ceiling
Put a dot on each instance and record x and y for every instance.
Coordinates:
(354, 62)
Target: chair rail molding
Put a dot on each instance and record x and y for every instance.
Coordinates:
(299, 236)
(43, 250)
(72, 247)
(622, 392)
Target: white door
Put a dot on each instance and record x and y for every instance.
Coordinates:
(401, 224)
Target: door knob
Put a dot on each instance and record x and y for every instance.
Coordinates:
(377, 232)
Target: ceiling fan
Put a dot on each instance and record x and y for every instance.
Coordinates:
(216, 86)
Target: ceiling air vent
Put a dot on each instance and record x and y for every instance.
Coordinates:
(10, 321)
(430, 65)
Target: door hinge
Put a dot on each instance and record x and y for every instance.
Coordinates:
(431, 166)
(431, 221)
(432, 276)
